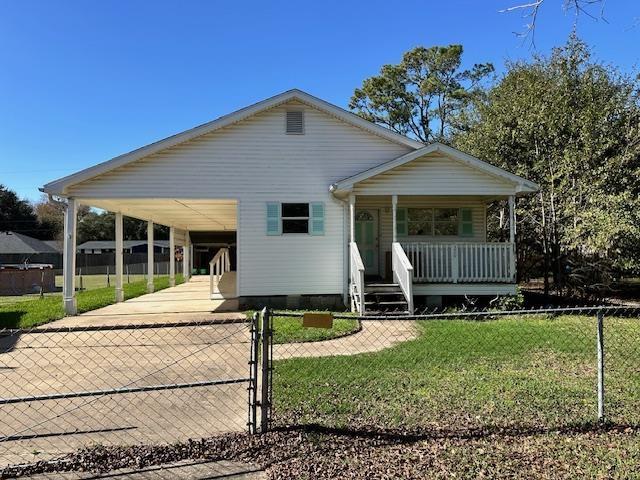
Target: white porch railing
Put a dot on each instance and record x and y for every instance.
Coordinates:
(461, 262)
(356, 280)
(402, 273)
(218, 266)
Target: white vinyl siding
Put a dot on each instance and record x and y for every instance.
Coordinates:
(434, 175)
(255, 163)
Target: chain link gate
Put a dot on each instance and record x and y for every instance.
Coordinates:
(66, 388)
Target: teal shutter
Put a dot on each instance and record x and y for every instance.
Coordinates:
(273, 219)
(401, 221)
(466, 222)
(316, 222)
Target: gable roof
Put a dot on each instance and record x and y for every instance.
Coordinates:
(17, 243)
(521, 184)
(59, 186)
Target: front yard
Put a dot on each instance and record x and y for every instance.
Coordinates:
(510, 397)
(18, 312)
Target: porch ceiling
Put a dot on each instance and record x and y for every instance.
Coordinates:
(187, 214)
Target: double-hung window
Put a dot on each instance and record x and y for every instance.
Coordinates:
(295, 218)
(286, 218)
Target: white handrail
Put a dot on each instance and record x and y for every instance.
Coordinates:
(465, 262)
(218, 266)
(356, 283)
(402, 273)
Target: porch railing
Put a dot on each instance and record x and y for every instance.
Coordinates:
(402, 273)
(471, 262)
(356, 279)
(218, 266)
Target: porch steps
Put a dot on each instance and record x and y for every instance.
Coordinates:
(384, 299)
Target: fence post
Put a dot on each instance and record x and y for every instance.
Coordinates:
(600, 366)
(253, 374)
(265, 399)
(108, 279)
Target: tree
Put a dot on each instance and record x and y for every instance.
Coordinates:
(532, 8)
(573, 126)
(16, 215)
(422, 95)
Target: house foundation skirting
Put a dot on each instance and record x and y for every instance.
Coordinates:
(333, 302)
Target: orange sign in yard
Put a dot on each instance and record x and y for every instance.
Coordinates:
(317, 320)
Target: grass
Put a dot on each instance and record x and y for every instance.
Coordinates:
(35, 310)
(90, 282)
(465, 375)
(290, 329)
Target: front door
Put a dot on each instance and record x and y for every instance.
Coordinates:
(367, 239)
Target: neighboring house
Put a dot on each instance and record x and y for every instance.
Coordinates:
(310, 192)
(16, 248)
(129, 246)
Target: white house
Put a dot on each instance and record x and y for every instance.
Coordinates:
(325, 207)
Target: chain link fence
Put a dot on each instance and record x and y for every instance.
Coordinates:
(462, 372)
(165, 386)
(64, 388)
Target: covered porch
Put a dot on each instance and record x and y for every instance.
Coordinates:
(185, 218)
(418, 227)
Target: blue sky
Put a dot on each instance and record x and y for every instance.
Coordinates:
(81, 82)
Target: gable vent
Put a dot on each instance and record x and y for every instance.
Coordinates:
(295, 121)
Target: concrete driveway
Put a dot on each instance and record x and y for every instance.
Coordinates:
(33, 364)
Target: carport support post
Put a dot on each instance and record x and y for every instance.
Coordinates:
(172, 257)
(119, 257)
(186, 262)
(69, 272)
(150, 263)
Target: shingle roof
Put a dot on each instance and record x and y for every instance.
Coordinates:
(11, 242)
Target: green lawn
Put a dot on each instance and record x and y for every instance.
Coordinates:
(34, 311)
(90, 282)
(290, 329)
(464, 375)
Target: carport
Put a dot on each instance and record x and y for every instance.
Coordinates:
(181, 215)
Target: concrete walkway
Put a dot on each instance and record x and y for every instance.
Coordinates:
(374, 336)
(188, 301)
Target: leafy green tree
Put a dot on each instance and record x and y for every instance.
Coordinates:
(572, 125)
(16, 215)
(422, 95)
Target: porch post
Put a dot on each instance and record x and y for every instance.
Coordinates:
(512, 235)
(150, 262)
(119, 257)
(394, 209)
(172, 256)
(512, 218)
(352, 218)
(69, 267)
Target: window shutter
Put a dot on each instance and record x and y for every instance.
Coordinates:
(273, 218)
(401, 221)
(316, 222)
(466, 222)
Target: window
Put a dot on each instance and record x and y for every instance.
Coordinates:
(295, 122)
(295, 218)
(445, 221)
(437, 222)
(420, 221)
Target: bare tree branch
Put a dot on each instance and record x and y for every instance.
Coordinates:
(532, 9)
